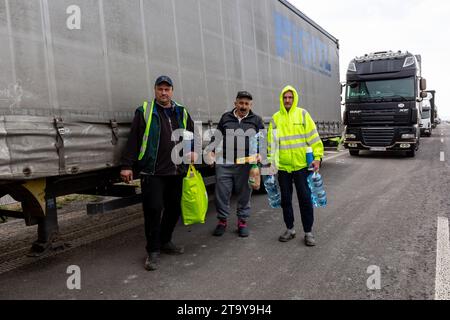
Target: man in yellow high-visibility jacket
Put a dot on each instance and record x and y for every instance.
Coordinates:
(291, 131)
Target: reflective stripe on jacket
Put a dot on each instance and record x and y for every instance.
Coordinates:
(290, 133)
(148, 120)
(148, 154)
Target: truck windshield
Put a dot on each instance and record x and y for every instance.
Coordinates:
(384, 90)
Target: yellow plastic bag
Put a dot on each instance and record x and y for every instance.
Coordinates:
(194, 200)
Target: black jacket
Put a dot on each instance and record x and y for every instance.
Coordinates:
(230, 122)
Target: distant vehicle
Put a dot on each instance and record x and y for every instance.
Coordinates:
(384, 95)
(434, 112)
(426, 127)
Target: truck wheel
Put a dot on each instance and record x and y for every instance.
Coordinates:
(354, 153)
(411, 153)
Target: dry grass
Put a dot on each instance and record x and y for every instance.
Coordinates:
(61, 202)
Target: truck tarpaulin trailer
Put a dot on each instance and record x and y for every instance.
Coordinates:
(72, 74)
(384, 97)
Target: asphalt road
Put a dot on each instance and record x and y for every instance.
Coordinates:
(382, 219)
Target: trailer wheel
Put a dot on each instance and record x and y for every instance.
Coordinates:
(354, 153)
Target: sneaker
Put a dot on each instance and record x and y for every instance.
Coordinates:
(220, 228)
(309, 240)
(287, 235)
(152, 262)
(170, 248)
(243, 229)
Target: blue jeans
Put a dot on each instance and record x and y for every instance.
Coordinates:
(229, 178)
(299, 179)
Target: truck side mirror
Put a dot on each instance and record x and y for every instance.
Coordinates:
(424, 94)
(423, 85)
(343, 85)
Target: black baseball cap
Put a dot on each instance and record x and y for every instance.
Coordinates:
(163, 79)
(244, 95)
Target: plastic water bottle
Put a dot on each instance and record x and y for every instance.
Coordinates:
(273, 191)
(318, 194)
(309, 156)
(253, 146)
(254, 179)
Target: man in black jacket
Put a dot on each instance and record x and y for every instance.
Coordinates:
(236, 128)
(149, 150)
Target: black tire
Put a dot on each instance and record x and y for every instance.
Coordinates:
(354, 153)
(411, 153)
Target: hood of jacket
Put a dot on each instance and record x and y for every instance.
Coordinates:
(294, 105)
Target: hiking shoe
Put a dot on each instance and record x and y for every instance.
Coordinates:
(309, 240)
(170, 248)
(243, 229)
(220, 228)
(287, 235)
(152, 262)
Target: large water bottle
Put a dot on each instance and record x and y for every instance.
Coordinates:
(253, 147)
(318, 194)
(273, 191)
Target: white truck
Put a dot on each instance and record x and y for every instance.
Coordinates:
(426, 128)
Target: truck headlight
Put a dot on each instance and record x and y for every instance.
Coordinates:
(408, 136)
(350, 136)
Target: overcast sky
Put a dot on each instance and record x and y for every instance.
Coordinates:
(418, 26)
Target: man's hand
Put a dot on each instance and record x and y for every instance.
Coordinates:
(271, 170)
(127, 176)
(315, 165)
(210, 159)
(192, 157)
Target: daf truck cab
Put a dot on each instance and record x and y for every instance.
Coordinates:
(384, 97)
(426, 127)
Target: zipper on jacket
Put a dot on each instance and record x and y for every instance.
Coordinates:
(157, 148)
(171, 133)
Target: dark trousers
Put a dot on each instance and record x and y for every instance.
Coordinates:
(299, 179)
(161, 199)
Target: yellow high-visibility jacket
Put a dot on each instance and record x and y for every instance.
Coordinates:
(290, 133)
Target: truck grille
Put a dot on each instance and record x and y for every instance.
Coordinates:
(377, 116)
(378, 137)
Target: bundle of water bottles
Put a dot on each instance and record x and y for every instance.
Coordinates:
(315, 182)
(270, 181)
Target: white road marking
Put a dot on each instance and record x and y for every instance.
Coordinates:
(335, 156)
(442, 156)
(442, 284)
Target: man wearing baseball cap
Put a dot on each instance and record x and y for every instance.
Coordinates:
(149, 150)
(231, 175)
